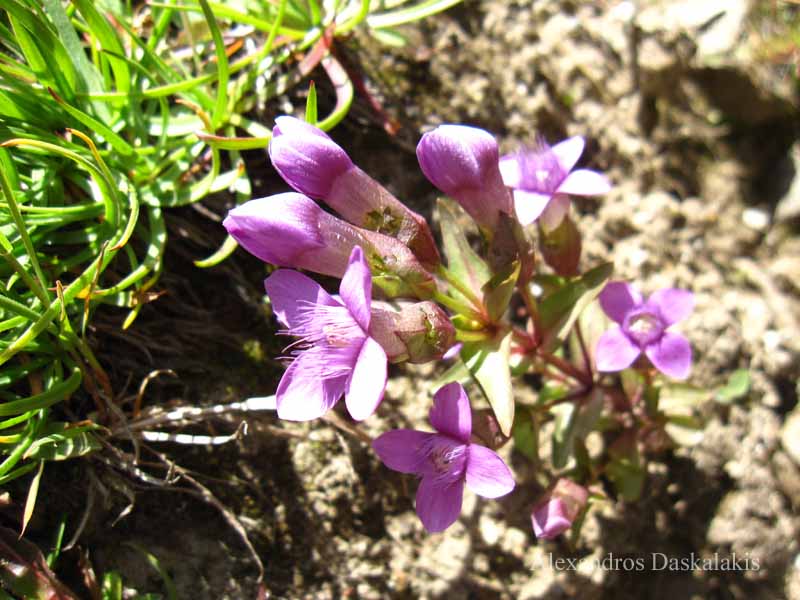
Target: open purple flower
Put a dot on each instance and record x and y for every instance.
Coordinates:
(642, 327)
(335, 355)
(445, 460)
(542, 177)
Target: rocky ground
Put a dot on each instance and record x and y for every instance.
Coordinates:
(699, 133)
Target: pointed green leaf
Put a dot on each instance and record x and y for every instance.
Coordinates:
(559, 310)
(311, 104)
(462, 261)
(526, 436)
(498, 290)
(488, 363)
(563, 433)
(737, 387)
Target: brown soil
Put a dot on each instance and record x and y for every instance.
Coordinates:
(701, 141)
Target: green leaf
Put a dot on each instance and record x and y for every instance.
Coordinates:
(564, 433)
(498, 290)
(311, 104)
(684, 430)
(488, 363)
(462, 261)
(625, 470)
(628, 478)
(737, 388)
(63, 445)
(526, 436)
(457, 372)
(559, 310)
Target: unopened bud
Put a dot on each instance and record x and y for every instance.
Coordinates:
(556, 513)
(413, 332)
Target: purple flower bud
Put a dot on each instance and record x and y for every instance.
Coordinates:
(642, 327)
(556, 513)
(290, 230)
(306, 158)
(417, 333)
(463, 162)
(312, 163)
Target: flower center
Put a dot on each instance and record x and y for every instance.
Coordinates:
(541, 172)
(643, 327)
(446, 459)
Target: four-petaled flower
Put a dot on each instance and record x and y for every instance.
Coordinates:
(642, 327)
(335, 354)
(445, 460)
(541, 178)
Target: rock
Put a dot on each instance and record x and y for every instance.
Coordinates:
(788, 206)
(790, 435)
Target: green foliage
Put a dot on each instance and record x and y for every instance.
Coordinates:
(109, 116)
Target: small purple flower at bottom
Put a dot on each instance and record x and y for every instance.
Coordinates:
(642, 327)
(335, 354)
(557, 511)
(445, 460)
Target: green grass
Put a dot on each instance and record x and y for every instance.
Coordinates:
(111, 113)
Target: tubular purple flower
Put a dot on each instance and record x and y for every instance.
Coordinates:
(462, 162)
(313, 164)
(334, 355)
(290, 230)
(414, 332)
(306, 158)
(554, 514)
(542, 177)
(445, 460)
(642, 327)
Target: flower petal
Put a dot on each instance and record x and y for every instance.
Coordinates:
(367, 382)
(306, 158)
(615, 351)
(510, 171)
(277, 229)
(302, 396)
(568, 152)
(673, 304)
(439, 506)
(672, 355)
(290, 292)
(529, 205)
(584, 182)
(549, 519)
(618, 298)
(402, 449)
(451, 413)
(554, 212)
(487, 474)
(356, 288)
(456, 157)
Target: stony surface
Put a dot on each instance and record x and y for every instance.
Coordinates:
(698, 139)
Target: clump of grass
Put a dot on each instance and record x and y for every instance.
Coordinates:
(112, 112)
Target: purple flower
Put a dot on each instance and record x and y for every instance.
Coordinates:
(542, 177)
(445, 460)
(306, 158)
(553, 515)
(642, 327)
(462, 162)
(290, 230)
(313, 164)
(335, 355)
